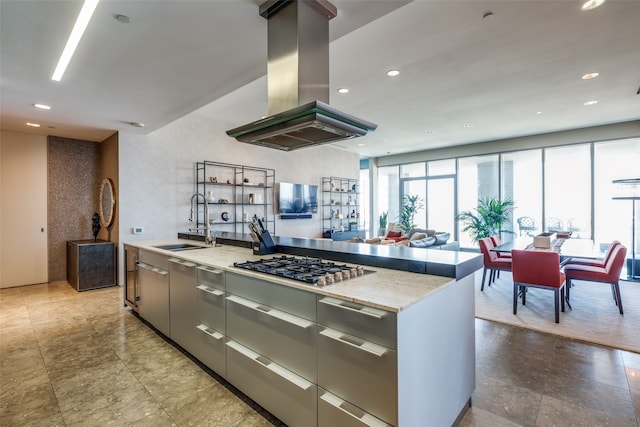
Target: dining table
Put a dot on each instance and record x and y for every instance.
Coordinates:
(567, 248)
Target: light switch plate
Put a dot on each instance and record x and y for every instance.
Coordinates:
(136, 230)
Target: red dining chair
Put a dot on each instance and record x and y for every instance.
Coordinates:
(595, 262)
(492, 262)
(610, 273)
(497, 242)
(537, 269)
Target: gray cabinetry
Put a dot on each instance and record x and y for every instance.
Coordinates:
(153, 288)
(91, 264)
(210, 327)
(182, 297)
(357, 363)
(271, 352)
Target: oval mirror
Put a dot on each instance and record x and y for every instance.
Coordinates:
(107, 203)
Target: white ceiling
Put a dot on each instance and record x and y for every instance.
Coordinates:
(456, 68)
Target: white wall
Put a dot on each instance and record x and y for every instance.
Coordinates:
(157, 174)
(23, 209)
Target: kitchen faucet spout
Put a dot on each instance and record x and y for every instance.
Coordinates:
(208, 238)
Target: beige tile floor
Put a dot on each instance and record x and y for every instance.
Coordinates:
(82, 359)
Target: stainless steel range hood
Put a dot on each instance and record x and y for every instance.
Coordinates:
(298, 81)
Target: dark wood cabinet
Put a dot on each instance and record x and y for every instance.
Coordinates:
(91, 264)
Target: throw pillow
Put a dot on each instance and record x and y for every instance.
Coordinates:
(422, 243)
(394, 234)
(441, 238)
(418, 236)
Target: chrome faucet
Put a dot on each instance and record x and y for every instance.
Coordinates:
(208, 237)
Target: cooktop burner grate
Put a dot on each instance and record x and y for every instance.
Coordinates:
(314, 271)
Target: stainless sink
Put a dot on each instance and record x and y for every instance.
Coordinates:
(179, 247)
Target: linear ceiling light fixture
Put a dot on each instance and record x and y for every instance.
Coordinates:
(591, 4)
(74, 38)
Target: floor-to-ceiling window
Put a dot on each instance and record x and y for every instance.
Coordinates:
(567, 188)
(522, 182)
(613, 218)
(478, 177)
(557, 188)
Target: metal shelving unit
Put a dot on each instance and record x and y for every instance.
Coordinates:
(236, 194)
(341, 207)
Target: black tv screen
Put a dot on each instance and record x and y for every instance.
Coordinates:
(298, 198)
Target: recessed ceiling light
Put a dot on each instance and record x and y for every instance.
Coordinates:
(538, 112)
(393, 73)
(591, 4)
(42, 106)
(123, 18)
(594, 102)
(361, 145)
(137, 124)
(590, 76)
(33, 125)
(343, 90)
(429, 132)
(487, 16)
(469, 125)
(74, 38)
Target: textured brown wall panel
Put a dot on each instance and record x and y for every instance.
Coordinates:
(72, 197)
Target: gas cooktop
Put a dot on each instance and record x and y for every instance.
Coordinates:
(313, 271)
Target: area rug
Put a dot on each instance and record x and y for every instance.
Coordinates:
(594, 317)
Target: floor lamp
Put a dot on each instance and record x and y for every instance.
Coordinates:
(634, 195)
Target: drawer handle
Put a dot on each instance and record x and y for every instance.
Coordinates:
(273, 367)
(341, 405)
(281, 315)
(144, 266)
(210, 270)
(208, 290)
(368, 311)
(369, 347)
(214, 334)
(182, 262)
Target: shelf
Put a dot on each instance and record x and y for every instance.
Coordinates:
(346, 192)
(231, 186)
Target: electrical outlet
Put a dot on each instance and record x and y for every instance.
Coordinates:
(136, 230)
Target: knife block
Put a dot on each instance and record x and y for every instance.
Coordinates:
(265, 245)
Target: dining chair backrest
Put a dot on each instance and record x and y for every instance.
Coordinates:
(495, 240)
(485, 247)
(614, 266)
(607, 256)
(536, 267)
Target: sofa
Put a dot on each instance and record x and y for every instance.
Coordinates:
(416, 238)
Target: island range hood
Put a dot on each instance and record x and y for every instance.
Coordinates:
(298, 81)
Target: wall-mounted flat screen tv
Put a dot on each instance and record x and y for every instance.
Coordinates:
(298, 199)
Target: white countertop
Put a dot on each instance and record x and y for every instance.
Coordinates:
(387, 289)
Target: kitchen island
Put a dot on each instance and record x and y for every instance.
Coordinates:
(386, 348)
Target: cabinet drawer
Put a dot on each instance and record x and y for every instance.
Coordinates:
(211, 306)
(156, 260)
(334, 411)
(291, 300)
(369, 323)
(286, 395)
(210, 349)
(360, 372)
(211, 277)
(284, 338)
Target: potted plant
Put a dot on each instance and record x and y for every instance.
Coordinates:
(382, 223)
(353, 226)
(411, 204)
(487, 218)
